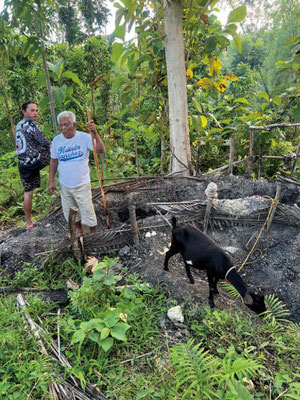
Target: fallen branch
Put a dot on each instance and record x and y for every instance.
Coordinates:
(62, 386)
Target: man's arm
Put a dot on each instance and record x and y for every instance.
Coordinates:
(52, 172)
(100, 149)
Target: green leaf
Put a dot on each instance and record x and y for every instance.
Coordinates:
(237, 15)
(231, 29)
(98, 275)
(111, 318)
(95, 323)
(238, 43)
(296, 115)
(241, 100)
(109, 281)
(78, 336)
(104, 333)
(119, 331)
(120, 32)
(240, 391)
(128, 294)
(71, 75)
(117, 50)
(264, 95)
(107, 343)
(211, 44)
(263, 106)
(294, 39)
(94, 336)
(277, 100)
(197, 105)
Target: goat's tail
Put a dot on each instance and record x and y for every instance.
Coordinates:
(174, 222)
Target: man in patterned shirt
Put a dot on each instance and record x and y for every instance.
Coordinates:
(33, 151)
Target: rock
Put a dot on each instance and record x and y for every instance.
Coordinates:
(175, 314)
(123, 251)
(231, 249)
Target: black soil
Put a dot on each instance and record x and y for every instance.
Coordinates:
(277, 264)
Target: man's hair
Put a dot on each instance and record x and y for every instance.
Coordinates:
(67, 114)
(26, 104)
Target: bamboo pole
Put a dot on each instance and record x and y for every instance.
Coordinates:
(98, 173)
(251, 154)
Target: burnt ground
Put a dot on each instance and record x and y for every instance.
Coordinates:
(276, 268)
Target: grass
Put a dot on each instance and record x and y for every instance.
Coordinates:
(233, 356)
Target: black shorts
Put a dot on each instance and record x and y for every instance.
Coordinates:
(30, 177)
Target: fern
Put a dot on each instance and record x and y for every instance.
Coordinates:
(276, 309)
(231, 290)
(236, 366)
(194, 371)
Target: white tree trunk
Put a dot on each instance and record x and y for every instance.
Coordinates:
(178, 111)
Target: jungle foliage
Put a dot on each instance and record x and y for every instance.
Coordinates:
(122, 341)
(242, 72)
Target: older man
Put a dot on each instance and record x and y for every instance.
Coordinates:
(70, 156)
(33, 151)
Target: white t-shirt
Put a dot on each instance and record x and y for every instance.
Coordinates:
(73, 158)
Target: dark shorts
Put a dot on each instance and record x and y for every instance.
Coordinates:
(30, 177)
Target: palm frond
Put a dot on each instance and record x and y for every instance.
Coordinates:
(276, 308)
(231, 290)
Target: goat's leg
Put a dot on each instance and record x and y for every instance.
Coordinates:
(169, 254)
(211, 282)
(188, 272)
(216, 280)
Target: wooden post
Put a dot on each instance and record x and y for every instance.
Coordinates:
(295, 161)
(231, 154)
(137, 164)
(211, 194)
(277, 196)
(132, 217)
(259, 163)
(198, 170)
(251, 154)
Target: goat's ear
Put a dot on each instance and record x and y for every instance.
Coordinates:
(248, 299)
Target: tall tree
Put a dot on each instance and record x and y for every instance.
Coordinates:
(34, 19)
(178, 110)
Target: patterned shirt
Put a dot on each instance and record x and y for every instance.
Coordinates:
(30, 142)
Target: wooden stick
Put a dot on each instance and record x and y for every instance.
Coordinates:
(269, 127)
(251, 155)
(277, 196)
(98, 173)
(231, 154)
(295, 161)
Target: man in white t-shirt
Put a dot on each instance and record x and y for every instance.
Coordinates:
(70, 156)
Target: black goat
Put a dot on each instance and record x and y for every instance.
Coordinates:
(200, 252)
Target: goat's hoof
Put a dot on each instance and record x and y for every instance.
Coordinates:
(192, 281)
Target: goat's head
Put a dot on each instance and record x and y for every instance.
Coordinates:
(255, 301)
